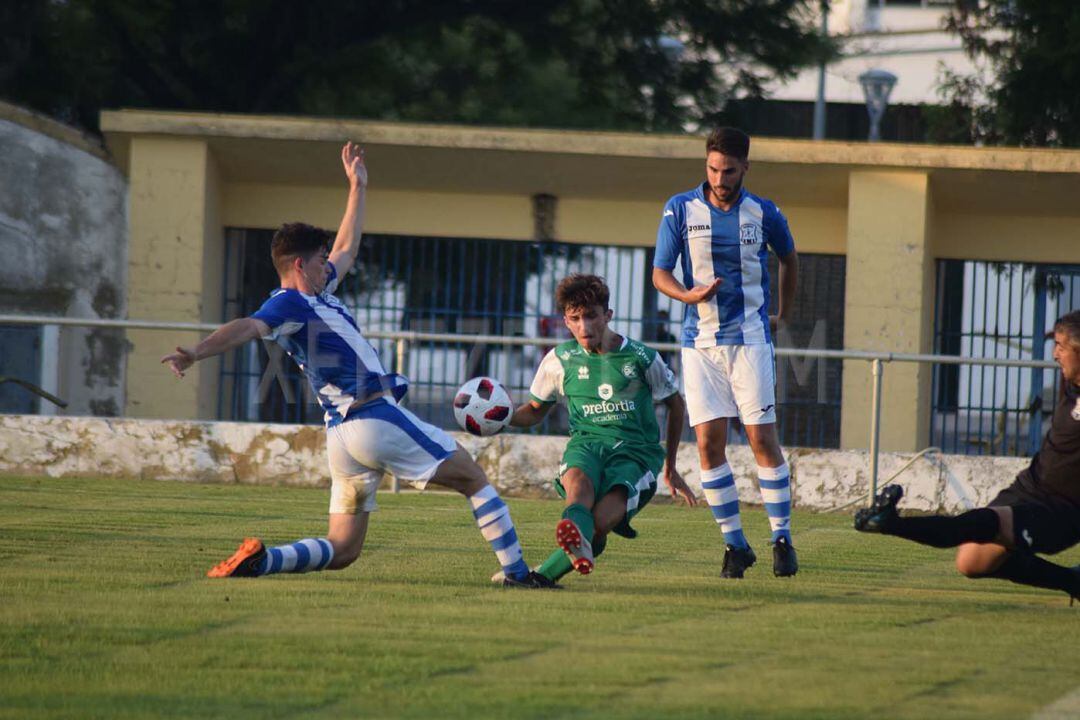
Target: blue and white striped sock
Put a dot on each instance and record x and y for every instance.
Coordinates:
(723, 498)
(298, 557)
(493, 518)
(776, 492)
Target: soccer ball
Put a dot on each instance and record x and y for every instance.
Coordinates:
(482, 406)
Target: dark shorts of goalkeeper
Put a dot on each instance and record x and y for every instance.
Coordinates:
(1041, 523)
(609, 465)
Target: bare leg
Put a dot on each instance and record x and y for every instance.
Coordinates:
(461, 473)
(712, 442)
(765, 444)
(346, 535)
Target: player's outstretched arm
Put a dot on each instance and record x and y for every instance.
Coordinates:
(530, 413)
(347, 241)
(665, 282)
(230, 335)
(676, 407)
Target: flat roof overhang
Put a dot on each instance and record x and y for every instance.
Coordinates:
(586, 164)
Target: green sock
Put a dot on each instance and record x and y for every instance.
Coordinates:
(582, 517)
(558, 564)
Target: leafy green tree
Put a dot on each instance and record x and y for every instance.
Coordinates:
(620, 64)
(1031, 92)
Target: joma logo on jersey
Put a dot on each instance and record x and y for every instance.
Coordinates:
(749, 234)
(583, 373)
(699, 228)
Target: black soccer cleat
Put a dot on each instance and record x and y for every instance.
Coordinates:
(737, 561)
(785, 562)
(532, 581)
(623, 529)
(882, 513)
(1074, 592)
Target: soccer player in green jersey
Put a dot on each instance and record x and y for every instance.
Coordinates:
(610, 465)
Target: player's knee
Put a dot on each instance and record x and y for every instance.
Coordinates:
(345, 554)
(767, 451)
(578, 486)
(966, 566)
(712, 456)
(974, 564)
(461, 473)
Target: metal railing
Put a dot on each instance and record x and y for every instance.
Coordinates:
(402, 339)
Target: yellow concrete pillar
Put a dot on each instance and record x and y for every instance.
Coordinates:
(888, 305)
(174, 271)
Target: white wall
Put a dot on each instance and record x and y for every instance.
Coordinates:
(63, 240)
(517, 464)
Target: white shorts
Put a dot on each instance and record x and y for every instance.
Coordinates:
(730, 381)
(381, 437)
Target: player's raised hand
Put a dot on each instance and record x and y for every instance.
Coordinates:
(678, 486)
(179, 361)
(352, 157)
(701, 293)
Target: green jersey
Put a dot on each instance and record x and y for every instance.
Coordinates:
(610, 395)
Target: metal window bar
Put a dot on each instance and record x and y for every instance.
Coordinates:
(499, 287)
(996, 310)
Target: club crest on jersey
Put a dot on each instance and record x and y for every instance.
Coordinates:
(605, 391)
(1075, 413)
(749, 234)
(628, 370)
(583, 372)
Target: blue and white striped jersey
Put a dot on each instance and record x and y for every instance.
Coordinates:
(319, 333)
(732, 245)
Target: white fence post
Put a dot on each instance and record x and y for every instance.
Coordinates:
(876, 369)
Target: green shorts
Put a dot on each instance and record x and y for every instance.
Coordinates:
(609, 464)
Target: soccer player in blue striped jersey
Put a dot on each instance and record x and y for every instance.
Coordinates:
(718, 236)
(368, 431)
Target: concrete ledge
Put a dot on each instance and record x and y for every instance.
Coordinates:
(55, 129)
(129, 121)
(254, 453)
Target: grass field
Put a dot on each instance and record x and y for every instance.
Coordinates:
(105, 613)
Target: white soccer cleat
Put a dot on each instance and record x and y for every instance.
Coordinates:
(577, 548)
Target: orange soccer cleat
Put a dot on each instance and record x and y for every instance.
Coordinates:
(245, 562)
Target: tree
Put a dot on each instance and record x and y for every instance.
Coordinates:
(1031, 94)
(620, 64)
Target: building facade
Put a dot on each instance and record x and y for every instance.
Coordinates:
(892, 212)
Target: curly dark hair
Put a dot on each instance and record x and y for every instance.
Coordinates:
(296, 240)
(581, 291)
